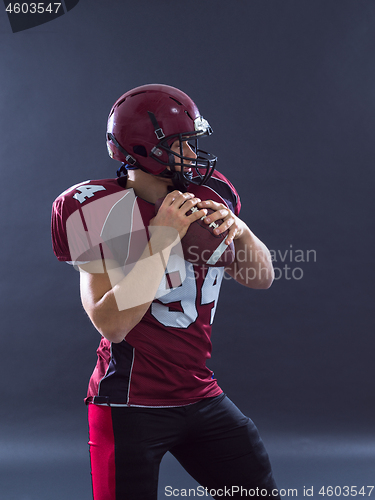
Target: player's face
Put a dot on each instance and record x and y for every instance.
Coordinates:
(186, 152)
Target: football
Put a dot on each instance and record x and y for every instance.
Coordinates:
(201, 245)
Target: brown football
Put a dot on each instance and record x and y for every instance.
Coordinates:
(201, 245)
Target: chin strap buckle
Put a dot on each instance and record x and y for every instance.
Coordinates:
(159, 133)
(128, 157)
(131, 160)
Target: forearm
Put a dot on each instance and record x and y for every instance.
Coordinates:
(252, 266)
(116, 302)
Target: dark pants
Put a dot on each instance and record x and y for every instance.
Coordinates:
(214, 442)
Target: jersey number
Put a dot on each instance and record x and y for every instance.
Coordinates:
(86, 192)
(186, 295)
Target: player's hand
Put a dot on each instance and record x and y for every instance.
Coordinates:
(231, 222)
(172, 212)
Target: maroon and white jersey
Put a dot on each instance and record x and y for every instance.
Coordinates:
(162, 361)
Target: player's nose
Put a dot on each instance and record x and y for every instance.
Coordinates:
(189, 152)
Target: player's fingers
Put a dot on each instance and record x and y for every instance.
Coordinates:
(232, 234)
(214, 205)
(180, 198)
(226, 224)
(176, 197)
(221, 213)
(196, 214)
(170, 197)
(190, 204)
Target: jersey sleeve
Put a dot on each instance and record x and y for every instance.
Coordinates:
(220, 189)
(58, 230)
(226, 189)
(78, 218)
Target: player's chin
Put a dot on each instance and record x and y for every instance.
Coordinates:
(187, 171)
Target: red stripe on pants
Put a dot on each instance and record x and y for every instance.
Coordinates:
(102, 452)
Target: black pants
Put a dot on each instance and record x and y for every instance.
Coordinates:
(214, 442)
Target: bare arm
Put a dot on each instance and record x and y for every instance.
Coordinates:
(252, 266)
(116, 303)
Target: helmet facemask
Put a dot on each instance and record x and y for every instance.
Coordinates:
(192, 170)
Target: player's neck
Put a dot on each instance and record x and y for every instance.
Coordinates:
(147, 186)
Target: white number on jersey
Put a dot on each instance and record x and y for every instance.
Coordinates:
(86, 191)
(211, 288)
(186, 294)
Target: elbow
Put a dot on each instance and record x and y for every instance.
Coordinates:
(267, 278)
(115, 339)
(114, 336)
(265, 284)
(259, 284)
(115, 327)
(109, 329)
(264, 278)
(112, 323)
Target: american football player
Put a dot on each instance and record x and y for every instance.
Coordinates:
(151, 391)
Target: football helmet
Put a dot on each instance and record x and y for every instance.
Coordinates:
(145, 122)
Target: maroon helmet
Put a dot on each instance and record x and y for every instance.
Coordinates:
(146, 121)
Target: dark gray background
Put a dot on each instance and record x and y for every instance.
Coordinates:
(289, 89)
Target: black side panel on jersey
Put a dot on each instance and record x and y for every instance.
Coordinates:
(117, 378)
(225, 191)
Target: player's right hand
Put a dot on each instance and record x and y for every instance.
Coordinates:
(173, 210)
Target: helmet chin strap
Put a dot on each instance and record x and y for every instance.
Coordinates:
(122, 171)
(180, 181)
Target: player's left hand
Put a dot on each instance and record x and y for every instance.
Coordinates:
(231, 222)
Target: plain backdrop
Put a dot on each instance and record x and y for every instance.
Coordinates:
(288, 87)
